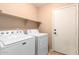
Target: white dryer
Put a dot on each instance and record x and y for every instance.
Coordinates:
(41, 41)
(15, 42)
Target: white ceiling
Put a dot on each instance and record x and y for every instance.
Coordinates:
(39, 4)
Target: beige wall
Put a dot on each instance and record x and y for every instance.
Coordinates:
(25, 10)
(31, 25)
(45, 15)
(10, 23)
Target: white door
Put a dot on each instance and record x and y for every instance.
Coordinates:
(65, 38)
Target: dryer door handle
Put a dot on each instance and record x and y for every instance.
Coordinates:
(23, 43)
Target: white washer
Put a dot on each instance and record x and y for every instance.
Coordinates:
(41, 41)
(16, 43)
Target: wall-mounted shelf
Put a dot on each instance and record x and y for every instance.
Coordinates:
(6, 14)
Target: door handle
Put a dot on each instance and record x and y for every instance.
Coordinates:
(54, 32)
(54, 29)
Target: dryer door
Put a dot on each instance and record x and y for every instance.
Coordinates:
(26, 47)
(43, 45)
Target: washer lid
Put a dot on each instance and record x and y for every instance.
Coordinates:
(39, 34)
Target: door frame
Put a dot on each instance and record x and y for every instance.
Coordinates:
(53, 22)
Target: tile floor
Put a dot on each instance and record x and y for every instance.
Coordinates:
(55, 53)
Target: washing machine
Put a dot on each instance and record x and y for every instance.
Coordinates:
(15, 42)
(41, 41)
